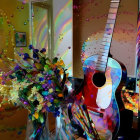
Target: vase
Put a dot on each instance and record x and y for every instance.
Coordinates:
(45, 135)
(64, 130)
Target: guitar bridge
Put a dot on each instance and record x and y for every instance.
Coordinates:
(97, 114)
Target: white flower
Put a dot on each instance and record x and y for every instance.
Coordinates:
(39, 98)
(34, 90)
(14, 95)
(39, 107)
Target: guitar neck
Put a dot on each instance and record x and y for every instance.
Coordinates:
(107, 38)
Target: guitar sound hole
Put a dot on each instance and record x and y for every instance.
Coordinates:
(99, 79)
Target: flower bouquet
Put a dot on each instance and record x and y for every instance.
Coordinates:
(39, 84)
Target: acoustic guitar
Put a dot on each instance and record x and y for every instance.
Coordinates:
(102, 75)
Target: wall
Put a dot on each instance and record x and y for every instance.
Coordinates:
(14, 16)
(124, 39)
(89, 30)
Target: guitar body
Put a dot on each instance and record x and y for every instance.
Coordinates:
(100, 101)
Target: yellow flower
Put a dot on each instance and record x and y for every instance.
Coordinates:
(49, 104)
(61, 72)
(67, 74)
(36, 115)
(39, 75)
(52, 65)
(50, 90)
(61, 63)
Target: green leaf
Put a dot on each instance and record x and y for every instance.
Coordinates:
(41, 118)
(55, 60)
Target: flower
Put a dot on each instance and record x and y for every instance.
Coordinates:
(43, 50)
(35, 53)
(36, 115)
(34, 90)
(30, 47)
(17, 67)
(38, 83)
(50, 90)
(41, 79)
(26, 56)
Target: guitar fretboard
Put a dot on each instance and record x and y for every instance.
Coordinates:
(107, 38)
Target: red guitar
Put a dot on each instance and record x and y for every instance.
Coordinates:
(102, 75)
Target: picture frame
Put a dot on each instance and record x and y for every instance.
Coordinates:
(20, 39)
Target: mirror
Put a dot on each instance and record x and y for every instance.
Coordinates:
(40, 26)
